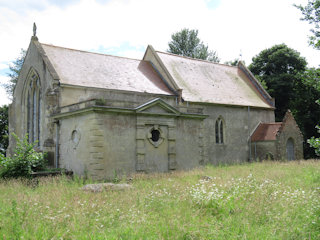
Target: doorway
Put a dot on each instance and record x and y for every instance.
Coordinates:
(290, 149)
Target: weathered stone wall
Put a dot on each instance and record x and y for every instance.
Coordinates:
(239, 123)
(264, 150)
(190, 147)
(106, 144)
(118, 142)
(74, 147)
(289, 130)
(49, 102)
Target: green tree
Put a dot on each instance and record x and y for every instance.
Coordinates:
(311, 13)
(15, 68)
(306, 112)
(315, 142)
(311, 77)
(186, 43)
(311, 80)
(4, 138)
(233, 63)
(278, 67)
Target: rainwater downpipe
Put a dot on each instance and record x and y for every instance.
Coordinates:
(57, 143)
(249, 133)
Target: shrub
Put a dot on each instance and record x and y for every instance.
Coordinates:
(24, 161)
(315, 142)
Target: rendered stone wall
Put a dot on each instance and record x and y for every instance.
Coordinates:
(74, 148)
(189, 144)
(108, 144)
(106, 148)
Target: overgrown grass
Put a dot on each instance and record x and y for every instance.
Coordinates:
(269, 200)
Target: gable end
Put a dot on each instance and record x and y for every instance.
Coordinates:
(157, 104)
(256, 84)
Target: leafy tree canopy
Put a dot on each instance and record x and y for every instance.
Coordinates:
(278, 67)
(311, 77)
(233, 62)
(311, 13)
(15, 68)
(186, 43)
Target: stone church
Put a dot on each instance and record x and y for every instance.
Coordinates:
(103, 115)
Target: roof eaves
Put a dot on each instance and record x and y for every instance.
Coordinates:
(229, 104)
(47, 61)
(117, 90)
(256, 84)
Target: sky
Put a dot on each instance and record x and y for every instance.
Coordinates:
(126, 27)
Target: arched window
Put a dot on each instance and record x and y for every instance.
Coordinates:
(219, 131)
(33, 106)
(290, 149)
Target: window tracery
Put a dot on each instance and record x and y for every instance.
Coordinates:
(33, 106)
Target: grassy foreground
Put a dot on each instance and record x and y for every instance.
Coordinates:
(269, 200)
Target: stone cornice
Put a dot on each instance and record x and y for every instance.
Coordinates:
(118, 110)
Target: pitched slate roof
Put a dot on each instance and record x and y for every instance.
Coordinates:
(80, 68)
(204, 81)
(266, 132)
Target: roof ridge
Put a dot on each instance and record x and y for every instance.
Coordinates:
(196, 59)
(103, 54)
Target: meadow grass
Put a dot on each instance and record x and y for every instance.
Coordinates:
(269, 200)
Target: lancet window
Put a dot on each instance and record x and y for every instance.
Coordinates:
(219, 131)
(33, 103)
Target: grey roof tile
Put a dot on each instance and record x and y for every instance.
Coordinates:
(88, 69)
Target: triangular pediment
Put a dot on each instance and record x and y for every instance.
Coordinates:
(157, 106)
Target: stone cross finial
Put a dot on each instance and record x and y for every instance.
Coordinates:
(34, 29)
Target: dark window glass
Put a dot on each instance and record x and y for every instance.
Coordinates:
(39, 114)
(217, 131)
(155, 135)
(29, 117)
(34, 122)
(221, 131)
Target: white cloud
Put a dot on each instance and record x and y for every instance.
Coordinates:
(229, 27)
(3, 95)
(3, 66)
